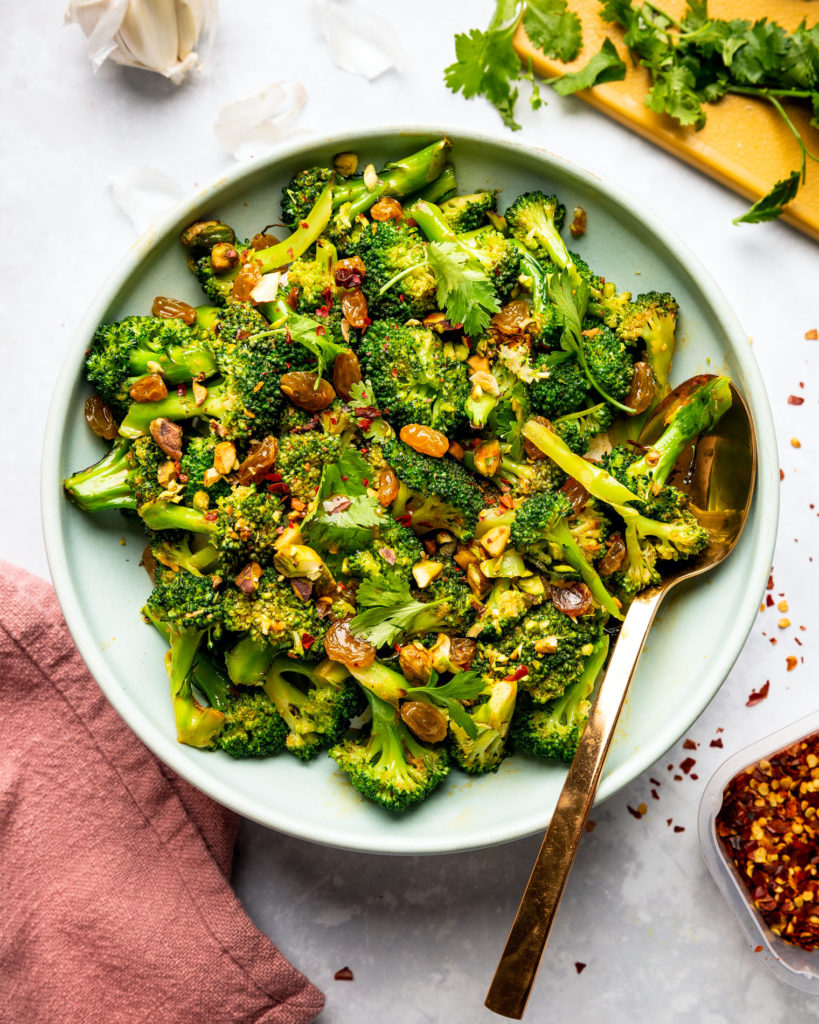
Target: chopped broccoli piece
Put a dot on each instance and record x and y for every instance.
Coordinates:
(492, 716)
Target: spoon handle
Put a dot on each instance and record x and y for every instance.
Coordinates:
(519, 962)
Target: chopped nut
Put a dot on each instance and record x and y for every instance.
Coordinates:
(784, 623)
(345, 163)
(463, 558)
(201, 501)
(456, 451)
(478, 364)
(495, 540)
(168, 436)
(200, 392)
(248, 579)
(223, 257)
(487, 458)
(782, 606)
(224, 457)
(211, 476)
(484, 382)
(370, 177)
(166, 474)
(795, 442)
(478, 583)
(426, 571)
(546, 645)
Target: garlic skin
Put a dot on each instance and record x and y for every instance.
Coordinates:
(154, 35)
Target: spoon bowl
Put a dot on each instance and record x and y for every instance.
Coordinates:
(718, 474)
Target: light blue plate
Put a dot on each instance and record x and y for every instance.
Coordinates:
(690, 651)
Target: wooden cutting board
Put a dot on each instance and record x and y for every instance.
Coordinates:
(745, 144)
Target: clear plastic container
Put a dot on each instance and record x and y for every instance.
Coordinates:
(787, 962)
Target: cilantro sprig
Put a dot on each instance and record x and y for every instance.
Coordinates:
(462, 686)
(464, 291)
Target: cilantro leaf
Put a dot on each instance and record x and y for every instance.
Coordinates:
(347, 529)
(771, 205)
(391, 609)
(346, 475)
(312, 335)
(464, 292)
(673, 93)
(553, 29)
(462, 686)
(604, 66)
(487, 64)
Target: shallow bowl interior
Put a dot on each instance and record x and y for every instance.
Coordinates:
(698, 634)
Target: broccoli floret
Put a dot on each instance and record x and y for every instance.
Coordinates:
(505, 605)
(178, 549)
(555, 731)
(301, 460)
(197, 459)
(314, 279)
(437, 494)
(246, 526)
(652, 319)
(124, 478)
(497, 255)
(274, 614)
(541, 531)
(190, 608)
(253, 727)
(565, 390)
(127, 349)
(492, 716)
(547, 327)
(468, 213)
(590, 528)
(315, 701)
(413, 380)
(550, 646)
(299, 195)
(391, 767)
(535, 220)
(527, 476)
(578, 429)
(393, 552)
(398, 283)
(610, 363)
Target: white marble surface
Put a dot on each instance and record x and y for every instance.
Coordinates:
(422, 935)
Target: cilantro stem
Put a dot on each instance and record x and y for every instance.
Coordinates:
(402, 274)
(771, 96)
(582, 412)
(662, 13)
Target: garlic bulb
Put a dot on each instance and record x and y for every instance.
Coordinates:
(156, 35)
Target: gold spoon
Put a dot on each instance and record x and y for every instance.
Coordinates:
(718, 476)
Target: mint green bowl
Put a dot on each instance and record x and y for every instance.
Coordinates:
(695, 640)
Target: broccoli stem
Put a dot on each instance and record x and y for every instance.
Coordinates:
(248, 661)
(176, 364)
(105, 484)
(175, 407)
(576, 559)
(398, 178)
(387, 684)
(596, 480)
(442, 188)
(195, 725)
(699, 414)
(165, 515)
(212, 683)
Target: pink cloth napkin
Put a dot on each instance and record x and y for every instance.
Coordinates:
(115, 905)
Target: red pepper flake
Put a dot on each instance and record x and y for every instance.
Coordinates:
(757, 696)
(404, 520)
(687, 765)
(345, 974)
(305, 224)
(307, 641)
(694, 776)
(590, 826)
(770, 584)
(320, 331)
(769, 601)
(210, 517)
(757, 949)
(668, 821)
(678, 778)
(679, 828)
(182, 478)
(633, 812)
(579, 966)
(182, 390)
(519, 673)
(781, 475)
(671, 767)
(795, 400)
(689, 745)
(716, 743)
(655, 782)
(655, 795)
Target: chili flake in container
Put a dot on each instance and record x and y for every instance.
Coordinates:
(769, 827)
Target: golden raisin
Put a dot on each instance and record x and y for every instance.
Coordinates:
(349, 273)
(641, 392)
(346, 373)
(150, 388)
(424, 720)
(415, 663)
(425, 440)
(386, 209)
(307, 390)
(614, 557)
(260, 460)
(100, 418)
(531, 449)
(574, 599)
(578, 224)
(352, 651)
(246, 281)
(173, 309)
(387, 487)
(354, 308)
(576, 493)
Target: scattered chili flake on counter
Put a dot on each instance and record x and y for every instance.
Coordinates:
(757, 696)
(795, 400)
(769, 827)
(716, 743)
(579, 967)
(345, 974)
(812, 334)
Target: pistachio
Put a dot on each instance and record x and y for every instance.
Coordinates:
(494, 542)
(426, 571)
